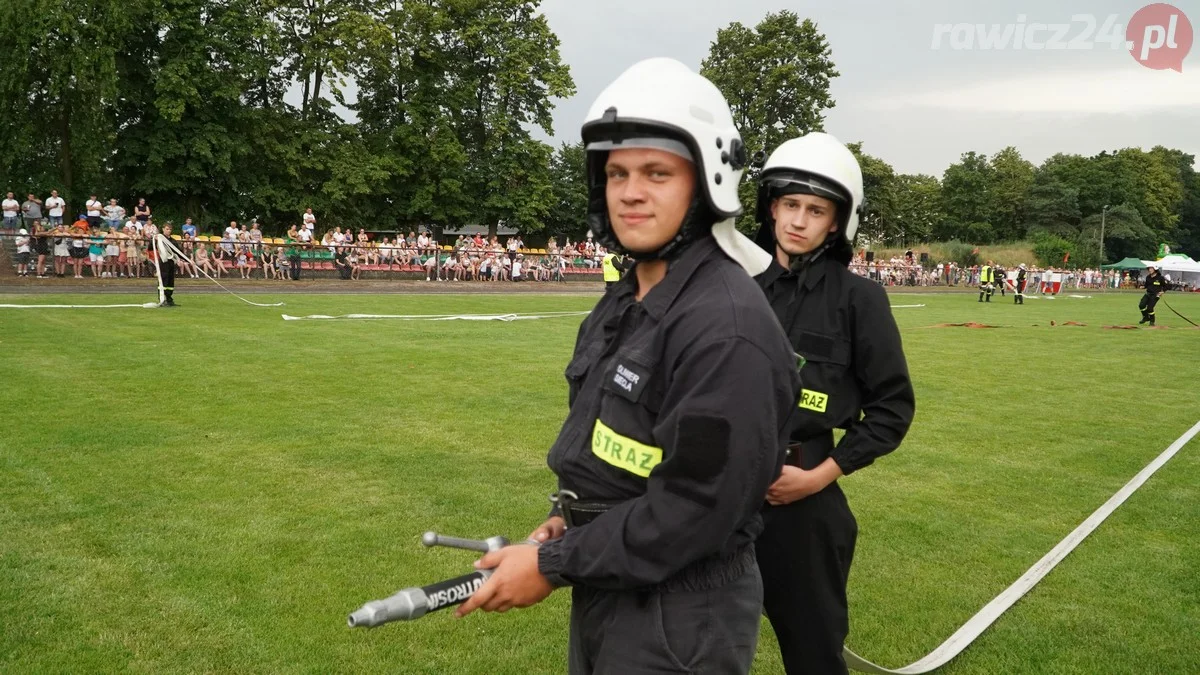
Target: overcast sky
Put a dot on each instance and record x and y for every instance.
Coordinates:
(917, 107)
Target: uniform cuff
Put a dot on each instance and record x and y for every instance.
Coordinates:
(550, 563)
(844, 464)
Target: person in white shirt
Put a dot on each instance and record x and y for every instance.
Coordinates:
(94, 212)
(23, 252)
(310, 221)
(113, 214)
(11, 208)
(56, 206)
(231, 232)
(305, 235)
(517, 267)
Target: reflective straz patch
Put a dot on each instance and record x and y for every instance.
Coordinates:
(624, 452)
(813, 400)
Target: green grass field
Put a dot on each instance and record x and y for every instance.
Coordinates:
(213, 489)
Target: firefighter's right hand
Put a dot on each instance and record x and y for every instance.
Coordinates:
(553, 528)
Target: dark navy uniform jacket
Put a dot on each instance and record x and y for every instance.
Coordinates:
(856, 376)
(678, 411)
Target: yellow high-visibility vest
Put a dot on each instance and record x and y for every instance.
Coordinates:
(611, 273)
(985, 275)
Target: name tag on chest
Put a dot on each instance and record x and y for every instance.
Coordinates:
(627, 380)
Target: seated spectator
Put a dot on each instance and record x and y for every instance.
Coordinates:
(204, 263)
(243, 261)
(267, 259)
(283, 263)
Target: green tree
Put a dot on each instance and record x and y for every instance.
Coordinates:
(878, 222)
(918, 207)
(1011, 177)
(967, 200)
(568, 170)
(1052, 208)
(776, 78)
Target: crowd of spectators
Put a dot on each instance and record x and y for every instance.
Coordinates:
(114, 244)
(906, 270)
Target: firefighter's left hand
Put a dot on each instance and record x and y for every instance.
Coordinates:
(515, 581)
(795, 483)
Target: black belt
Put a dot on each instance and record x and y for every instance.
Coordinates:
(809, 454)
(707, 573)
(579, 512)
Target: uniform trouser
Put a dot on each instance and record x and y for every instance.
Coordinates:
(294, 264)
(804, 554)
(1019, 296)
(1146, 304)
(985, 288)
(167, 270)
(696, 630)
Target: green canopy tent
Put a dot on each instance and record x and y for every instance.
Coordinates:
(1126, 264)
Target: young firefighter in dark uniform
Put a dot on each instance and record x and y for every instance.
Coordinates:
(1019, 296)
(999, 279)
(680, 389)
(856, 378)
(1155, 287)
(165, 257)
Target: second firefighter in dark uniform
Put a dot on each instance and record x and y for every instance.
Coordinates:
(856, 379)
(1155, 287)
(1019, 295)
(680, 390)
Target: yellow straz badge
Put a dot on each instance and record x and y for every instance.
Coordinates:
(813, 400)
(623, 452)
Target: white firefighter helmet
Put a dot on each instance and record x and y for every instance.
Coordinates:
(661, 103)
(816, 164)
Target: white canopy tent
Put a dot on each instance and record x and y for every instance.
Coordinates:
(1179, 267)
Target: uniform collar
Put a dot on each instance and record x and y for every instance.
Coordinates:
(816, 272)
(679, 272)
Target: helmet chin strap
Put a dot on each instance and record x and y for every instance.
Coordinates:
(797, 263)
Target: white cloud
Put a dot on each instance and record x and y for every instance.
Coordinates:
(1123, 90)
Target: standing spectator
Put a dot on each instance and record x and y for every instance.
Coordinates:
(133, 257)
(189, 228)
(31, 210)
(256, 236)
(95, 213)
(23, 249)
(141, 213)
(112, 252)
(96, 252)
(11, 208)
(517, 266)
(513, 245)
(310, 222)
(78, 249)
(114, 214)
(293, 250)
(41, 247)
(56, 205)
(61, 251)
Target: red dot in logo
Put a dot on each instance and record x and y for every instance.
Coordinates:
(1159, 37)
